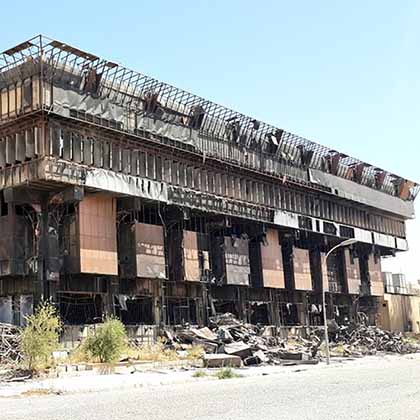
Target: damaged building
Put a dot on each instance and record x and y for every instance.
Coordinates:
(120, 194)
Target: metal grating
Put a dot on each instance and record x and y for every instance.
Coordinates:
(133, 90)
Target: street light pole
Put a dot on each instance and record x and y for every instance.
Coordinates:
(345, 243)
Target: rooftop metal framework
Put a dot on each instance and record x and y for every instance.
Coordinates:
(131, 89)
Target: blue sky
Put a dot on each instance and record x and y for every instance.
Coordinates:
(345, 74)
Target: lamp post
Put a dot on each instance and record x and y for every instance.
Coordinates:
(345, 243)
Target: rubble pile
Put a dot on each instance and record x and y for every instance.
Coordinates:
(241, 342)
(360, 340)
(9, 345)
(230, 341)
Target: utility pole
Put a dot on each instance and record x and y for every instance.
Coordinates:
(343, 244)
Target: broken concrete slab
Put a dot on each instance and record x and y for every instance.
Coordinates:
(204, 333)
(221, 360)
(289, 355)
(252, 361)
(260, 355)
(238, 348)
(208, 346)
(224, 335)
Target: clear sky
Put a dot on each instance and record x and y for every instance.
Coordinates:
(345, 74)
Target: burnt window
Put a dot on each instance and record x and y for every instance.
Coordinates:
(330, 228)
(305, 223)
(346, 232)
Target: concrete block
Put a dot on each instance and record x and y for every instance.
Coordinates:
(221, 360)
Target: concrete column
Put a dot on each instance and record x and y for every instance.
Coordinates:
(274, 309)
(159, 310)
(241, 304)
(108, 306)
(204, 304)
(41, 287)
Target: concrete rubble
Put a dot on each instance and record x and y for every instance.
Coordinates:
(257, 345)
(361, 340)
(253, 344)
(230, 342)
(221, 360)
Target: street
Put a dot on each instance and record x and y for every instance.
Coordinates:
(370, 389)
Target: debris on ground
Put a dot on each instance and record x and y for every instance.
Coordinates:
(256, 345)
(228, 342)
(10, 353)
(221, 360)
(362, 340)
(227, 338)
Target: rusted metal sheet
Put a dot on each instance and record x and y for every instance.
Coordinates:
(191, 257)
(352, 272)
(302, 269)
(150, 251)
(272, 261)
(237, 261)
(98, 236)
(375, 275)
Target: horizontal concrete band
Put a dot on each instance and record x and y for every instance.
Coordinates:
(59, 171)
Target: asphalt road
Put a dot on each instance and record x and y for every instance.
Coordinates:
(368, 390)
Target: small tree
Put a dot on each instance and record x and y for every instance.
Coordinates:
(109, 342)
(41, 335)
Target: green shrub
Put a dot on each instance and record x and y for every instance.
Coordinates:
(109, 341)
(41, 336)
(199, 374)
(227, 373)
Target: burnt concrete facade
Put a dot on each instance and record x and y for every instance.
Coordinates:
(123, 195)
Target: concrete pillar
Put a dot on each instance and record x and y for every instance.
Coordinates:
(108, 306)
(241, 303)
(205, 304)
(274, 309)
(159, 306)
(41, 286)
(302, 308)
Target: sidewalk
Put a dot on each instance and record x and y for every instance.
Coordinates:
(91, 381)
